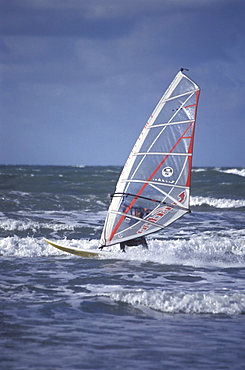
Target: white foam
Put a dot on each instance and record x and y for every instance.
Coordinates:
(36, 247)
(199, 169)
(16, 225)
(228, 302)
(58, 221)
(217, 202)
(182, 302)
(25, 247)
(200, 251)
(234, 171)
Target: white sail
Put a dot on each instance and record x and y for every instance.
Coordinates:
(153, 189)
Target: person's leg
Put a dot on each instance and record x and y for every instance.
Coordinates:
(144, 243)
(122, 246)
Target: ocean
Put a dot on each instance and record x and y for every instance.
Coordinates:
(178, 305)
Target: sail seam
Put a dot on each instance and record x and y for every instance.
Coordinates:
(156, 183)
(190, 150)
(178, 96)
(165, 153)
(170, 123)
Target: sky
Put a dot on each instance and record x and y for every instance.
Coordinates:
(79, 78)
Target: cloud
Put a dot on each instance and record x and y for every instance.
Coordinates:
(84, 64)
(42, 21)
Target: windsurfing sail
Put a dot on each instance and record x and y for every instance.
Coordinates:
(153, 189)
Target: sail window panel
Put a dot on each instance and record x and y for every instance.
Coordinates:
(184, 86)
(177, 109)
(139, 206)
(144, 168)
(168, 139)
(189, 108)
(154, 193)
(154, 142)
(177, 138)
(161, 168)
(171, 112)
(147, 197)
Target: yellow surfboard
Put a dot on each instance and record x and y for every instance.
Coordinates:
(78, 252)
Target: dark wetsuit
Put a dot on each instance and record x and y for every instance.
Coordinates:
(134, 242)
(138, 212)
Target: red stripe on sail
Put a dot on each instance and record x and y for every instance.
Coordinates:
(190, 150)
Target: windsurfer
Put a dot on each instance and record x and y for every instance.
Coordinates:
(137, 212)
(157, 171)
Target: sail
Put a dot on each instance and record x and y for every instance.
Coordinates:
(153, 189)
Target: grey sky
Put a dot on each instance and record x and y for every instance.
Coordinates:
(80, 78)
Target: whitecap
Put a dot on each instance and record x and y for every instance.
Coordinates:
(233, 171)
(182, 302)
(217, 202)
(199, 169)
(204, 250)
(36, 247)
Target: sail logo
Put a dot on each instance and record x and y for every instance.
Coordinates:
(155, 216)
(167, 171)
(158, 213)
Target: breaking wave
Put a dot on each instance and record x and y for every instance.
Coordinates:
(217, 202)
(174, 302)
(225, 250)
(233, 171)
(190, 303)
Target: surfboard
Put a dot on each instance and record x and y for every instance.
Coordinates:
(78, 252)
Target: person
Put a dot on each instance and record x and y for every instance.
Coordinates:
(133, 243)
(139, 212)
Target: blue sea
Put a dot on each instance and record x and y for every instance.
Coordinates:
(179, 305)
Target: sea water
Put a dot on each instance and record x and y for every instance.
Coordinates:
(179, 305)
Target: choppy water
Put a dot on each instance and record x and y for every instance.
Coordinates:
(179, 305)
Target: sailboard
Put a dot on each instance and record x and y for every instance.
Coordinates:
(153, 189)
(77, 251)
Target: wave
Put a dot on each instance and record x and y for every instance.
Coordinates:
(223, 250)
(36, 247)
(182, 302)
(51, 220)
(15, 225)
(149, 290)
(199, 169)
(233, 171)
(217, 202)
